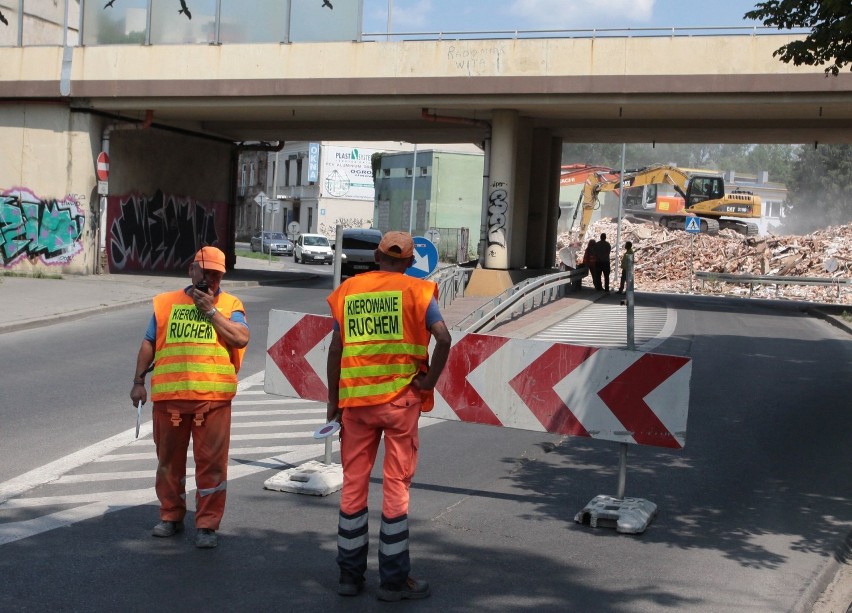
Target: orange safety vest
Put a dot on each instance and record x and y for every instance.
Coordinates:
(190, 361)
(382, 319)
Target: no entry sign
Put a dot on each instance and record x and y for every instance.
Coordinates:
(103, 166)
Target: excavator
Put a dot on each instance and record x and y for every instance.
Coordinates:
(703, 196)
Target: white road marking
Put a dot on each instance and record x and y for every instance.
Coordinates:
(99, 503)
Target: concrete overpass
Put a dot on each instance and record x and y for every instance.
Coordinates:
(521, 97)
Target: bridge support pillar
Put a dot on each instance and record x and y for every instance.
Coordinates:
(542, 212)
(501, 189)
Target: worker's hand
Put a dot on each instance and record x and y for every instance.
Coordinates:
(333, 413)
(203, 300)
(138, 393)
(421, 382)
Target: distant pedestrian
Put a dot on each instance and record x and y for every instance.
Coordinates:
(589, 262)
(628, 253)
(195, 343)
(602, 253)
(380, 378)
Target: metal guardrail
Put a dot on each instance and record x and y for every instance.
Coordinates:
(451, 282)
(593, 33)
(528, 295)
(752, 280)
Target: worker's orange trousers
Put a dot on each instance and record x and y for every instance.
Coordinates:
(359, 443)
(211, 433)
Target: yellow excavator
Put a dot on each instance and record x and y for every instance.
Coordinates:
(703, 196)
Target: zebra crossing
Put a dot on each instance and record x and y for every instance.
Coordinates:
(265, 431)
(605, 325)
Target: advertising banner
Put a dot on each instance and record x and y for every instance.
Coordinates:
(347, 173)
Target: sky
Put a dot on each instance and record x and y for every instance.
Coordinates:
(494, 15)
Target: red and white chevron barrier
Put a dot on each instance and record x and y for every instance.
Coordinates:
(611, 394)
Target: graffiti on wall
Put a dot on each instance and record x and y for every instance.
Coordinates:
(36, 229)
(160, 232)
(496, 255)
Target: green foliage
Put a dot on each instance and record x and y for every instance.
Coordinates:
(830, 23)
(818, 189)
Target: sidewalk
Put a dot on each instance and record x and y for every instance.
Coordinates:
(29, 303)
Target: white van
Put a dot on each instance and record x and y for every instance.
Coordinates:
(312, 248)
(359, 250)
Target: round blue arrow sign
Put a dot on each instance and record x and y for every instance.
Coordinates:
(425, 258)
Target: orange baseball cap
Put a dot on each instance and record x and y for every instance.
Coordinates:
(211, 258)
(397, 245)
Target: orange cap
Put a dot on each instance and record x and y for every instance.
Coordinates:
(211, 258)
(397, 245)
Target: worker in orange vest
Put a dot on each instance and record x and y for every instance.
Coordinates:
(379, 380)
(195, 344)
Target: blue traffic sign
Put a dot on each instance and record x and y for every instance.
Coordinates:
(425, 258)
(693, 225)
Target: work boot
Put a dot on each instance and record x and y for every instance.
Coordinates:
(410, 589)
(166, 528)
(350, 585)
(206, 538)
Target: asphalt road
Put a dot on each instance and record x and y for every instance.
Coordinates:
(752, 511)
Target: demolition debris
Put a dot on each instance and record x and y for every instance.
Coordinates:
(664, 259)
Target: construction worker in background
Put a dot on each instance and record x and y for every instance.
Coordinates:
(589, 262)
(195, 342)
(628, 254)
(379, 380)
(602, 252)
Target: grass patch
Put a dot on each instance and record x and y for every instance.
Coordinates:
(255, 255)
(847, 316)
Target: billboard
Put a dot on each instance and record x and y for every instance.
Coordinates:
(347, 173)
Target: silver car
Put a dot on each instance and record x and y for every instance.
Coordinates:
(275, 242)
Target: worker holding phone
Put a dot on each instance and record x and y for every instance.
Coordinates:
(196, 339)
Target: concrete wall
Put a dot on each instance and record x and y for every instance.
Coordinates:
(170, 194)
(48, 207)
(729, 55)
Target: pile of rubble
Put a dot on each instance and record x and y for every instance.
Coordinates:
(665, 260)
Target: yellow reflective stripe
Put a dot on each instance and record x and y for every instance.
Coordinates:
(194, 350)
(188, 367)
(384, 348)
(360, 391)
(380, 370)
(194, 386)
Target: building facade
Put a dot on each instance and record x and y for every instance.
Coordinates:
(446, 189)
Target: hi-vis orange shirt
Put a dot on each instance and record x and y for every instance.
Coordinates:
(190, 362)
(382, 319)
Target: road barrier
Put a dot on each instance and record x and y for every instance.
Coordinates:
(777, 281)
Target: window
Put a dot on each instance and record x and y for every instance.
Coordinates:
(299, 171)
(408, 172)
(423, 171)
(252, 174)
(385, 172)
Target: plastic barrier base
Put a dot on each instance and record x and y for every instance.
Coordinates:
(628, 515)
(314, 478)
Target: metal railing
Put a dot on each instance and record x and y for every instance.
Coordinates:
(451, 282)
(521, 298)
(752, 280)
(592, 33)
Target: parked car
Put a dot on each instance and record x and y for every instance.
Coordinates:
(359, 250)
(313, 248)
(276, 241)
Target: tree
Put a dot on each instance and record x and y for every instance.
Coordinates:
(818, 189)
(830, 23)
